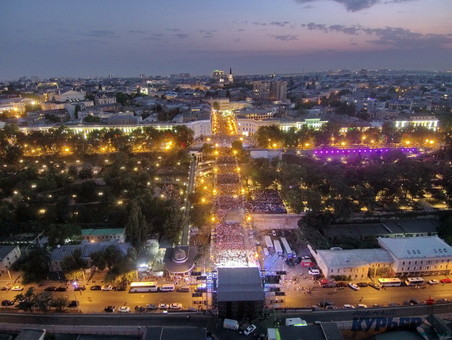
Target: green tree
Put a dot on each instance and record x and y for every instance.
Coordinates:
(136, 227)
(73, 261)
(35, 266)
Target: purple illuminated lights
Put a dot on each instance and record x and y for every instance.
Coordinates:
(347, 151)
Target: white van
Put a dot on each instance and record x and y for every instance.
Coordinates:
(231, 324)
(167, 288)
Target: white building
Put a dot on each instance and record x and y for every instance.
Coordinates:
(104, 235)
(357, 264)
(418, 256)
(8, 255)
(429, 122)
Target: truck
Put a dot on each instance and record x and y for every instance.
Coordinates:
(231, 324)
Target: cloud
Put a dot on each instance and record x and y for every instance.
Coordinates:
(181, 35)
(286, 37)
(272, 23)
(315, 27)
(389, 36)
(101, 34)
(173, 29)
(207, 33)
(155, 36)
(137, 32)
(241, 30)
(357, 5)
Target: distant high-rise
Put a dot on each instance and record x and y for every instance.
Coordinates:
(218, 75)
(275, 90)
(230, 77)
(278, 90)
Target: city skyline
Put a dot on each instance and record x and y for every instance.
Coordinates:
(82, 39)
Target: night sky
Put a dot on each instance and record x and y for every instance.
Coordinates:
(88, 38)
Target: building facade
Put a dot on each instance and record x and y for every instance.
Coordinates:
(8, 256)
(418, 256)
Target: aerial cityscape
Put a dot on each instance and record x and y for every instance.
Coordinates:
(268, 170)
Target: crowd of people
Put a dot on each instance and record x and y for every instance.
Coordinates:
(265, 202)
(228, 189)
(228, 203)
(228, 237)
(168, 191)
(227, 178)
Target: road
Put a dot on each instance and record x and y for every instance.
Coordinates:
(191, 182)
(95, 301)
(368, 295)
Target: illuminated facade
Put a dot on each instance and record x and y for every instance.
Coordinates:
(199, 127)
(429, 122)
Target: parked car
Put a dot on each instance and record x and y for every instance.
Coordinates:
(109, 309)
(325, 303)
(297, 260)
(348, 306)
(361, 305)
(290, 263)
(124, 309)
(433, 282)
(393, 304)
(60, 289)
(313, 271)
(274, 233)
(79, 288)
(95, 288)
(250, 329)
(7, 302)
(120, 288)
(353, 286)
(151, 306)
(442, 301)
(163, 306)
(140, 309)
(374, 286)
(341, 284)
(362, 284)
(107, 287)
(175, 306)
(73, 304)
(50, 289)
(17, 288)
(446, 280)
(415, 301)
(4, 288)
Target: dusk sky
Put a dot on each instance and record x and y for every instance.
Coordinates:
(88, 38)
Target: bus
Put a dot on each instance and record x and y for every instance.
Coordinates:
(143, 287)
(289, 252)
(167, 288)
(392, 282)
(414, 281)
(268, 242)
(278, 248)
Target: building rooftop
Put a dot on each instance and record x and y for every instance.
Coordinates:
(239, 284)
(175, 333)
(410, 226)
(105, 231)
(354, 257)
(5, 250)
(416, 247)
